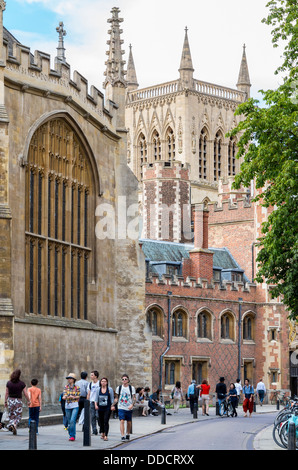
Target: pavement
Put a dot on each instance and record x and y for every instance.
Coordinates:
(54, 437)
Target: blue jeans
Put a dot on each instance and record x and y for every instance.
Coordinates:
(261, 395)
(71, 419)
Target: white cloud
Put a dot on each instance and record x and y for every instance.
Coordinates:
(217, 31)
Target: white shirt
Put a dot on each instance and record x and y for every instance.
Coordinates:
(93, 388)
(261, 386)
(125, 398)
(238, 388)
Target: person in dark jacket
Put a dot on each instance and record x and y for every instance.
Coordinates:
(221, 390)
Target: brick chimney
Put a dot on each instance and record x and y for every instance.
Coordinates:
(201, 258)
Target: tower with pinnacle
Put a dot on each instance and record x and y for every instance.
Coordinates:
(115, 84)
(185, 120)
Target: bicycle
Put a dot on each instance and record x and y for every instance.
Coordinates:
(226, 408)
(281, 423)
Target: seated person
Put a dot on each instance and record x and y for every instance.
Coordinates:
(141, 401)
(154, 401)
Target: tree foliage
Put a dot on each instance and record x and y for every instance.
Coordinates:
(268, 143)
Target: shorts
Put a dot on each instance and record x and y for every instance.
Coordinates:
(205, 398)
(124, 415)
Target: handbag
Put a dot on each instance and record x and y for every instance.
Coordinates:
(5, 416)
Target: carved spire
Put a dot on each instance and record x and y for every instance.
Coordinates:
(243, 83)
(186, 68)
(131, 78)
(115, 73)
(61, 49)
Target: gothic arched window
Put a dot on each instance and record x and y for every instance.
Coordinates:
(142, 154)
(203, 154)
(59, 227)
(204, 325)
(232, 157)
(217, 155)
(156, 146)
(179, 324)
(154, 320)
(227, 326)
(171, 144)
(248, 327)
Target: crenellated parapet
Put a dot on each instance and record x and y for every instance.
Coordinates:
(32, 73)
(199, 287)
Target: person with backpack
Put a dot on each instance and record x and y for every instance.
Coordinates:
(125, 397)
(92, 396)
(248, 402)
(192, 395)
(104, 406)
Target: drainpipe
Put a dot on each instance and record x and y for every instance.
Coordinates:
(239, 337)
(168, 341)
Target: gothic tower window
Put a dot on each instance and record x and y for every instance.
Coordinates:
(142, 154)
(171, 144)
(232, 157)
(156, 146)
(217, 155)
(59, 204)
(203, 154)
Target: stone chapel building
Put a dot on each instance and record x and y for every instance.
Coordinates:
(70, 299)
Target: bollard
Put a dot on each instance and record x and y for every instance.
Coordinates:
(217, 408)
(86, 426)
(195, 410)
(32, 436)
(255, 406)
(292, 436)
(277, 404)
(163, 415)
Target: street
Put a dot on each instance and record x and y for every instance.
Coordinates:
(215, 434)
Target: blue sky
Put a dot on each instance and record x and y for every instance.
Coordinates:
(217, 31)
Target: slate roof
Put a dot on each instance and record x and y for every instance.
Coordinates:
(155, 250)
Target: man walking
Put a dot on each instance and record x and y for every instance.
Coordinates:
(83, 384)
(192, 395)
(126, 398)
(92, 396)
(261, 391)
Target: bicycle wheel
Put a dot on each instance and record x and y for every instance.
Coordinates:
(230, 409)
(276, 436)
(283, 434)
(222, 409)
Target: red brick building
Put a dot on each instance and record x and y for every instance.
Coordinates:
(208, 319)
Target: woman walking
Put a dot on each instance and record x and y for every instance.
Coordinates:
(13, 400)
(71, 395)
(248, 403)
(205, 389)
(105, 406)
(177, 396)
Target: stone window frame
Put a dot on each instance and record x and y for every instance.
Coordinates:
(179, 324)
(229, 315)
(59, 269)
(210, 325)
(158, 332)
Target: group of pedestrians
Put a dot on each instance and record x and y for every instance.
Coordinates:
(103, 401)
(233, 394)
